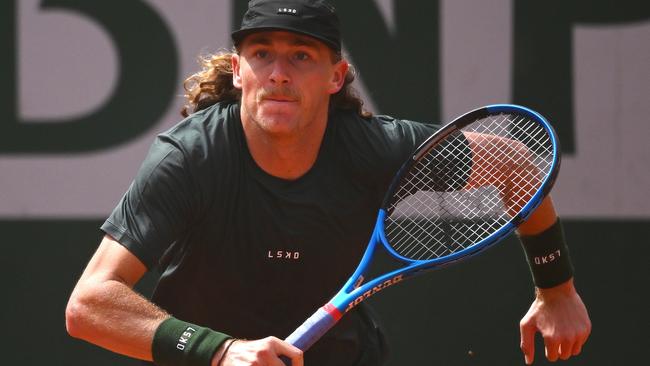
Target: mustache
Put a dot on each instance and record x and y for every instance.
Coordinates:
(278, 92)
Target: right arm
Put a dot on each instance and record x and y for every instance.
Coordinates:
(105, 310)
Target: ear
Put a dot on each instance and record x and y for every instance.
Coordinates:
(338, 77)
(236, 76)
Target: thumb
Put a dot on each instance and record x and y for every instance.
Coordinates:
(527, 345)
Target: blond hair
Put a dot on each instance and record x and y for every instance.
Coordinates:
(213, 84)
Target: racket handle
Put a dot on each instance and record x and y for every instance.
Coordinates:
(310, 331)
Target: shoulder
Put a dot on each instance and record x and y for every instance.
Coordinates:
(372, 149)
(198, 145)
(400, 129)
(204, 133)
(381, 133)
(204, 123)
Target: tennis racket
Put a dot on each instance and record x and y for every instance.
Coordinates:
(464, 189)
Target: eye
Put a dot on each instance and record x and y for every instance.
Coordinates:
(301, 56)
(261, 54)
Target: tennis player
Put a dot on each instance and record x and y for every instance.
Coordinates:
(258, 205)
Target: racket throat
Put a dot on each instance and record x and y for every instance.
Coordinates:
(373, 290)
(359, 282)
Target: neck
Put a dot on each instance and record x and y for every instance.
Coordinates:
(285, 156)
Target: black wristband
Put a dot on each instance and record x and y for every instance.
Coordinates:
(178, 343)
(548, 256)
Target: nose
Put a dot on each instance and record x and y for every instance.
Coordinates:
(280, 72)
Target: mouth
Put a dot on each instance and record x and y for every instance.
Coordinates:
(279, 98)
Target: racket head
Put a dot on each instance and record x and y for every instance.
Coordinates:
(446, 201)
(446, 154)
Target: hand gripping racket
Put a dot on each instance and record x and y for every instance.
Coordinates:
(465, 188)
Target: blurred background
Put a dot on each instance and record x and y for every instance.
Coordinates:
(86, 85)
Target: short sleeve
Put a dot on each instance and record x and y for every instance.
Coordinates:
(401, 137)
(157, 207)
(450, 163)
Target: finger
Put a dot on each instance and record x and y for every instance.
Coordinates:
(577, 348)
(297, 360)
(290, 352)
(551, 349)
(286, 361)
(566, 349)
(527, 343)
(282, 361)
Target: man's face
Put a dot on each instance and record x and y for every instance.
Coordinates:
(286, 80)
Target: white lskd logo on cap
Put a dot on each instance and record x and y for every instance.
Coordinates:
(287, 11)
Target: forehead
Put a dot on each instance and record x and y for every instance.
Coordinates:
(272, 37)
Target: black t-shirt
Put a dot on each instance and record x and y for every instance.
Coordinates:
(247, 253)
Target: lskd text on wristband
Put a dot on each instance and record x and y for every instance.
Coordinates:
(178, 343)
(548, 256)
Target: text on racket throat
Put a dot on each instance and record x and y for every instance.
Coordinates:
(374, 290)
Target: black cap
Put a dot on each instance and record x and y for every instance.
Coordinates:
(315, 18)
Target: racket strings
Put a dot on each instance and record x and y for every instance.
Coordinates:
(411, 233)
(461, 191)
(517, 171)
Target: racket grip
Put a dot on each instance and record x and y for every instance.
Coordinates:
(310, 331)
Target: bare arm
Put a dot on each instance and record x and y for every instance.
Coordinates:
(558, 313)
(504, 163)
(105, 310)
(561, 317)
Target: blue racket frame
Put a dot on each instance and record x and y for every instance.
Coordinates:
(352, 293)
(349, 292)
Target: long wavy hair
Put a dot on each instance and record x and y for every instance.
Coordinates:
(213, 84)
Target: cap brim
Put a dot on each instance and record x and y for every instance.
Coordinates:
(239, 35)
